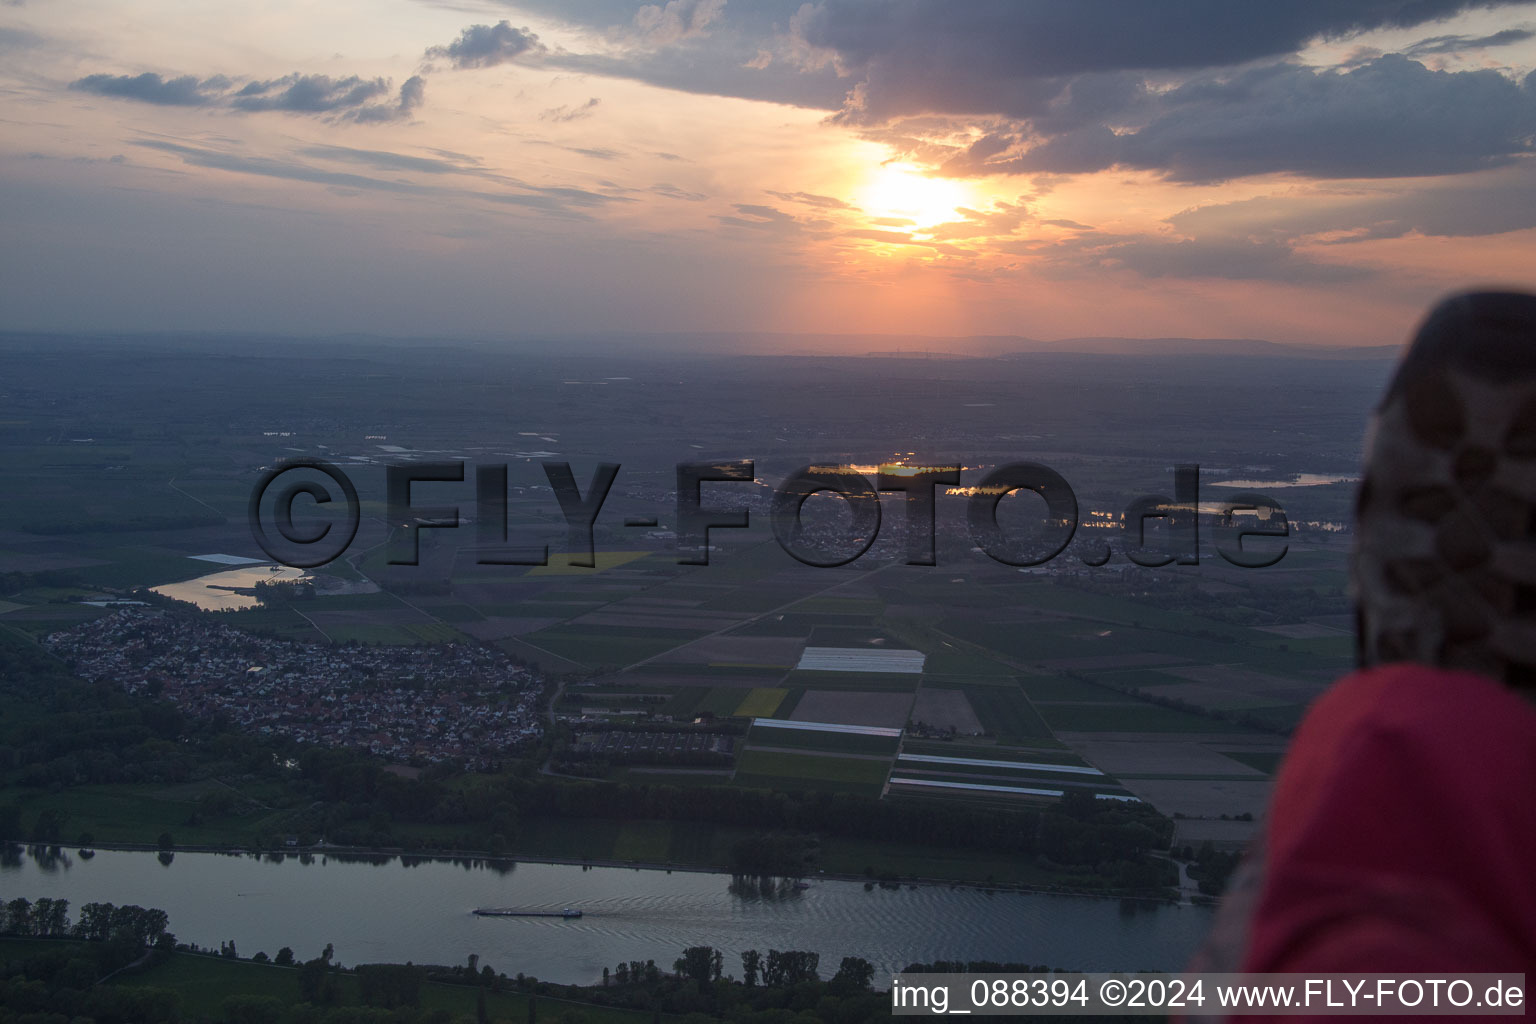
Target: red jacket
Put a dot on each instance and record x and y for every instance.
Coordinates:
(1402, 832)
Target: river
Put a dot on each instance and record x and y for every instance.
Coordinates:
(420, 912)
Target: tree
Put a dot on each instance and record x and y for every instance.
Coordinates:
(317, 982)
(854, 974)
(18, 916)
(95, 921)
(696, 963)
(284, 957)
(790, 967)
(751, 963)
(50, 916)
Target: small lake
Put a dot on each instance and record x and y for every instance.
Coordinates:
(421, 912)
(221, 591)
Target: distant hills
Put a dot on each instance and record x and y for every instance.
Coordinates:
(722, 343)
(1189, 347)
(978, 346)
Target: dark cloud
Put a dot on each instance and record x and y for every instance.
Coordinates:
(673, 192)
(1199, 91)
(768, 219)
(351, 98)
(1259, 238)
(273, 168)
(1458, 44)
(1489, 204)
(766, 213)
(1011, 57)
(570, 113)
(309, 94)
(412, 94)
(559, 200)
(387, 161)
(485, 46)
(810, 199)
(659, 25)
(717, 69)
(12, 39)
(1233, 261)
(1219, 259)
(185, 91)
(1390, 117)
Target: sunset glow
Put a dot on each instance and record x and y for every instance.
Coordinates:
(707, 166)
(900, 192)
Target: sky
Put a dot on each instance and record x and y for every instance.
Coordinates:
(1314, 171)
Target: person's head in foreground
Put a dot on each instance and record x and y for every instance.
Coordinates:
(1400, 834)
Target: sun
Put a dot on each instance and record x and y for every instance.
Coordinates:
(902, 191)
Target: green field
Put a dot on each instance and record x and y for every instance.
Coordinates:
(840, 606)
(1261, 760)
(761, 769)
(139, 813)
(1006, 713)
(895, 682)
(597, 647)
(720, 701)
(1058, 687)
(989, 754)
(761, 702)
(834, 742)
(1140, 717)
(953, 662)
(559, 563)
(652, 842)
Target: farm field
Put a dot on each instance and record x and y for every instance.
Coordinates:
(1173, 681)
(761, 769)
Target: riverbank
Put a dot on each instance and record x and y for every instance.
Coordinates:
(205, 982)
(382, 908)
(885, 879)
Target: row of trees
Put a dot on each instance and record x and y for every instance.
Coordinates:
(362, 803)
(775, 985)
(99, 922)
